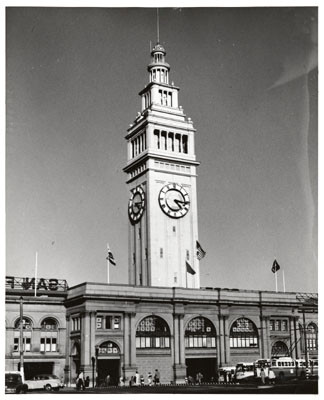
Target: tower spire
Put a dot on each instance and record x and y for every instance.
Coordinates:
(157, 26)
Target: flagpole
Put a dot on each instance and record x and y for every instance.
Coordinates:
(108, 263)
(276, 281)
(283, 280)
(35, 288)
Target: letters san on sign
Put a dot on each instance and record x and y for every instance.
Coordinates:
(41, 284)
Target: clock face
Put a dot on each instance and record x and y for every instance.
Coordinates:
(174, 200)
(136, 204)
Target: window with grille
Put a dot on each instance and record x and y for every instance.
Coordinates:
(108, 348)
(108, 322)
(26, 344)
(278, 325)
(200, 332)
(243, 334)
(48, 344)
(152, 332)
(27, 334)
(49, 335)
(76, 324)
(311, 337)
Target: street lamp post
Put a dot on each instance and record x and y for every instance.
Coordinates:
(305, 339)
(93, 360)
(21, 339)
(97, 377)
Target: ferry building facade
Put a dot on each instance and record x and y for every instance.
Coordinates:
(163, 319)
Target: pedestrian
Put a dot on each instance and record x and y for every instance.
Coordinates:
(142, 380)
(157, 377)
(87, 382)
(121, 381)
(199, 377)
(262, 375)
(271, 376)
(107, 380)
(149, 379)
(137, 379)
(80, 381)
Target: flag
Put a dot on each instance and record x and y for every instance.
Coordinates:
(110, 257)
(275, 267)
(200, 252)
(190, 269)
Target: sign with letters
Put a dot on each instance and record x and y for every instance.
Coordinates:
(44, 285)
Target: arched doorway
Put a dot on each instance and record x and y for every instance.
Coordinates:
(108, 363)
(279, 349)
(200, 347)
(153, 347)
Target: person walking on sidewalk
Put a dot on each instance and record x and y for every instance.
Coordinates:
(157, 377)
(149, 379)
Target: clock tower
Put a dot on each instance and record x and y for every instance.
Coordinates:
(161, 176)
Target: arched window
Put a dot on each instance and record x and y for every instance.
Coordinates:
(108, 348)
(243, 334)
(311, 337)
(200, 332)
(49, 324)
(27, 326)
(279, 349)
(152, 332)
(49, 335)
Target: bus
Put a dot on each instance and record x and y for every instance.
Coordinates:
(313, 367)
(288, 368)
(262, 363)
(244, 371)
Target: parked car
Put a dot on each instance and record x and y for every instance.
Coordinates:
(14, 382)
(45, 382)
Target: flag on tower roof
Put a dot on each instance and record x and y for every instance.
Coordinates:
(110, 257)
(190, 269)
(200, 251)
(275, 267)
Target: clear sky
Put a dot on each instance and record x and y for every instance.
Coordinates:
(248, 80)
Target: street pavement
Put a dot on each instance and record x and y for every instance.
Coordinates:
(290, 387)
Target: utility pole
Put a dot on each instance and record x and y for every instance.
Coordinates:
(21, 339)
(305, 338)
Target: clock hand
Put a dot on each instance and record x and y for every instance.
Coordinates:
(181, 203)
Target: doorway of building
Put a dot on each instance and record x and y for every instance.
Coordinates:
(108, 366)
(206, 366)
(36, 368)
